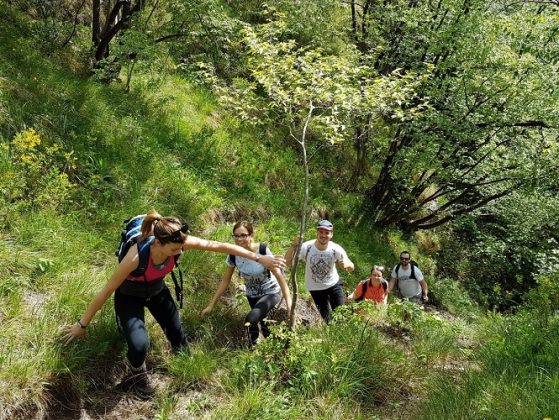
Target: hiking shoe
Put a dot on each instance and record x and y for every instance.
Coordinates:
(140, 384)
(142, 387)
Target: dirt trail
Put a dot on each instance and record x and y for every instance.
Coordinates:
(107, 398)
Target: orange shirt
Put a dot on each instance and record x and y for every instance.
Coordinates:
(374, 293)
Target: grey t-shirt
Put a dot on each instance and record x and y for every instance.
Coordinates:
(408, 287)
(255, 276)
(320, 270)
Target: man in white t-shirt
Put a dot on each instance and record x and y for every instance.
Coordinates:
(409, 280)
(320, 256)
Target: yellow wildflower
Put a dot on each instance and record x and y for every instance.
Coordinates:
(28, 139)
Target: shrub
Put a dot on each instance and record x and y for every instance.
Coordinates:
(345, 361)
(33, 175)
(452, 296)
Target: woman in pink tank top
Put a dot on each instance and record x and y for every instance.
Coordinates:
(133, 295)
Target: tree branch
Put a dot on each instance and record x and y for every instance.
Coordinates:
(528, 123)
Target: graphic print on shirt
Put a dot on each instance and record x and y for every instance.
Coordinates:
(254, 285)
(321, 266)
(258, 282)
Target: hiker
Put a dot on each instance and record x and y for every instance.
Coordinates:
(409, 280)
(263, 288)
(321, 276)
(169, 238)
(374, 289)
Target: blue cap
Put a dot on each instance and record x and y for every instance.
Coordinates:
(325, 224)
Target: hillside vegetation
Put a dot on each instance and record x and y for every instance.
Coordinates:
(83, 149)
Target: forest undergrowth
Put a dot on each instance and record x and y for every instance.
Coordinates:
(77, 157)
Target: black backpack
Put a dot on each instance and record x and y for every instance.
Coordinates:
(365, 286)
(413, 265)
(129, 236)
(261, 250)
(412, 275)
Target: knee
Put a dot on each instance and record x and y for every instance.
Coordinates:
(253, 317)
(137, 339)
(138, 344)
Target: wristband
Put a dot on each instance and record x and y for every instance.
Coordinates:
(81, 325)
(257, 257)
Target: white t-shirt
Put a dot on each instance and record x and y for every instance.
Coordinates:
(320, 270)
(408, 287)
(255, 276)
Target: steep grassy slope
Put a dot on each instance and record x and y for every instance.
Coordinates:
(78, 157)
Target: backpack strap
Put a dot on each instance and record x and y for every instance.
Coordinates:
(307, 253)
(262, 251)
(396, 269)
(384, 284)
(413, 265)
(143, 254)
(178, 288)
(364, 287)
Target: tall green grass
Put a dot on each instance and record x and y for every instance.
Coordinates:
(513, 375)
(168, 145)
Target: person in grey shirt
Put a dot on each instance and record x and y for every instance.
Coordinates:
(409, 280)
(263, 288)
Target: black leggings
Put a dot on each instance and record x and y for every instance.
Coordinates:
(260, 306)
(328, 299)
(130, 315)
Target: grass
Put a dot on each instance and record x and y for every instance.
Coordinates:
(197, 367)
(513, 374)
(168, 145)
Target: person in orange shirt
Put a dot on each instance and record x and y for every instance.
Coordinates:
(374, 289)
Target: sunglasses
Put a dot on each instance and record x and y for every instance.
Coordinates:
(240, 235)
(176, 235)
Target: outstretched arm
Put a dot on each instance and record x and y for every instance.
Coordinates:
(284, 288)
(220, 290)
(126, 266)
(354, 294)
(268, 261)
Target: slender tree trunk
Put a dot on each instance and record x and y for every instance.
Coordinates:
(129, 70)
(361, 156)
(302, 227)
(117, 19)
(354, 21)
(95, 21)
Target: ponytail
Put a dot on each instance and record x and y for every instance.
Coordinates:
(147, 224)
(165, 229)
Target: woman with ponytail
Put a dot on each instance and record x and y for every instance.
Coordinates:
(133, 294)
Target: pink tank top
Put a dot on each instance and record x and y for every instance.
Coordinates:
(153, 273)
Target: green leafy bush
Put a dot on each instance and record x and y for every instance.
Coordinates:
(33, 175)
